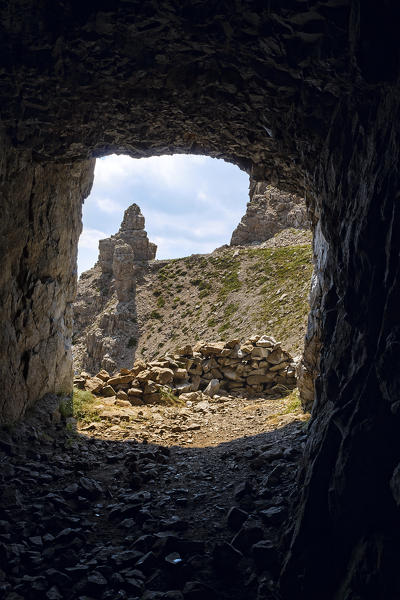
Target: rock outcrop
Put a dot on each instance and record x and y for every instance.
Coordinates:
(105, 313)
(132, 234)
(256, 366)
(196, 297)
(39, 230)
(268, 212)
(308, 367)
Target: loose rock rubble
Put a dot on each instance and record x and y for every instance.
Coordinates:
(135, 510)
(256, 366)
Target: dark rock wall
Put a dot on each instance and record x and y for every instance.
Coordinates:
(309, 366)
(346, 541)
(301, 94)
(39, 230)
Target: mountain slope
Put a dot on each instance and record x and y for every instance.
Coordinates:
(234, 291)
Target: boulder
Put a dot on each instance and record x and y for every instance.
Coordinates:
(183, 388)
(135, 392)
(266, 341)
(212, 349)
(185, 350)
(138, 367)
(161, 375)
(259, 353)
(150, 387)
(192, 396)
(232, 343)
(108, 391)
(120, 379)
(212, 388)
(143, 376)
(277, 356)
(180, 374)
(94, 385)
(195, 382)
(232, 375)
(255, 379)
(245, 349)
(103, 375)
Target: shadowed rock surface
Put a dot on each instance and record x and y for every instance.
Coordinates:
(299, 94)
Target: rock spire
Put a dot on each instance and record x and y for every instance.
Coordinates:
(132, 233)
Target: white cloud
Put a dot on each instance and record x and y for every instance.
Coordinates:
(198, 226)
(108, 205)
(201, 195)
(170, 170)
(90, 238)
(191, 203)
(111, 168)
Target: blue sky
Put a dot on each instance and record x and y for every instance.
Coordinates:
(191, 203)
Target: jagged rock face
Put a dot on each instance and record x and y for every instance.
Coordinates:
(268, 212)
(39, 230)
(124, 271)
(300, 94)
(105, 315)
(308, 368)
(133, 219)
(131, 234)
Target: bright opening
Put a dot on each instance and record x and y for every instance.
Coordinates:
(191, 203)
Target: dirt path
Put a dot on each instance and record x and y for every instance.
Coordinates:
(183, 502)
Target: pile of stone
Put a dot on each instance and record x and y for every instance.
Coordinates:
(255, 367)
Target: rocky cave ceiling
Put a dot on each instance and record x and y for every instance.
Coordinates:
(253, 82)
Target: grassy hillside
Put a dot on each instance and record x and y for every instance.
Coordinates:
(232, 292)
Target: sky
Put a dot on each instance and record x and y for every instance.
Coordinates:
(191, 204)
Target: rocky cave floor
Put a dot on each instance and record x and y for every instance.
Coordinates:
(178, 502)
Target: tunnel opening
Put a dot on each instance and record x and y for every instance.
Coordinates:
(294, 92)
(206, 519)
(233, 292)
(191, 203)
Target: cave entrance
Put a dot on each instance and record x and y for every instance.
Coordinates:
(191, 203)
(198, 288)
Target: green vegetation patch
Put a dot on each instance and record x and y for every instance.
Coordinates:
(230, 309)
(155, 315)
(284, 298)
(168, 397)
(293, 402)
(160, 301)
(132, 342)
(81, 405)
(226, 274)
